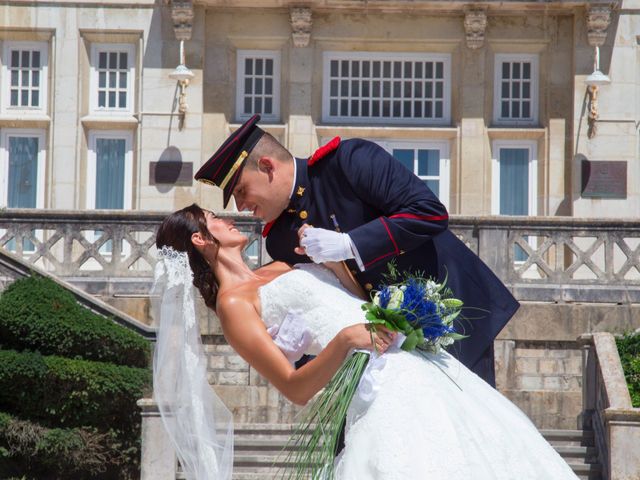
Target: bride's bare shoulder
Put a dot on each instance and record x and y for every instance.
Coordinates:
(238, 298)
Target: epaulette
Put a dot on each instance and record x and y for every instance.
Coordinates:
(267, 228)
(324, 151)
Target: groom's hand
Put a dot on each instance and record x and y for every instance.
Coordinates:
(324, 245)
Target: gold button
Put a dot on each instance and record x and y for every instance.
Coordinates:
(303, 214)
(368, 286)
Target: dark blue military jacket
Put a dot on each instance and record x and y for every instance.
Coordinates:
(357, 187)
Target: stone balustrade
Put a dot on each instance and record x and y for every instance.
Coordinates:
(607, 408)
(550, 259)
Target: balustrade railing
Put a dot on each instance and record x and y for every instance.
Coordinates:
(560, 259)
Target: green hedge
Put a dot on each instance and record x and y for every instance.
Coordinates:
(37, 314)
(629, 349)
(28, 450)
(70, 393)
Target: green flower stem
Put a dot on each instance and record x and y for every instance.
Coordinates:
(310, 451)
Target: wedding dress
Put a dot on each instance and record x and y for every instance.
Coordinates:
(430, 419)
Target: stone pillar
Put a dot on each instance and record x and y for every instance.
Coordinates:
(301, 140)
(556, 193)
(158, 460)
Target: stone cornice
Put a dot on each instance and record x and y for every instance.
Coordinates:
(456, 7)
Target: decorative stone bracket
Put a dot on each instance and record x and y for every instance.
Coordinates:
(475, 24)
(182, 16)
(301, 23)
(598, 20)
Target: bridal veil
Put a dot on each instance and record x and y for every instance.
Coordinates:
(199, 424)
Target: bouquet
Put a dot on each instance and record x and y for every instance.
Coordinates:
(420, 309)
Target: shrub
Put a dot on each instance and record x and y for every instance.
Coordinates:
(38, 314)
(71, 392)
(629, 349)
(28, 450)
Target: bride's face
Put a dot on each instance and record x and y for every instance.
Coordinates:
(224, 230)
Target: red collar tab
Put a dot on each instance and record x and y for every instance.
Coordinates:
(267, 228)
(324, 151)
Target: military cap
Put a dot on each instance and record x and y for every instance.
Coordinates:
(225, 165)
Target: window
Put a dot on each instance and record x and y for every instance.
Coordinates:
(110, 174)
(258, 84)
(514, 181)
(109, 170)
(24, 77)
(428, 160)
(112, 78)
(386, 88)
(516, 89)
(22, 174)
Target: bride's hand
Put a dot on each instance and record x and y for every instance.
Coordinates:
(360, 336)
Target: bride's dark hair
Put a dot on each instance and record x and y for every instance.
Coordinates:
(175, 231)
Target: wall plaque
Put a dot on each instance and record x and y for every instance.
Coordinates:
(179, 174)
(604, 179)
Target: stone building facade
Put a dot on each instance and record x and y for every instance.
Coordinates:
(486, 101)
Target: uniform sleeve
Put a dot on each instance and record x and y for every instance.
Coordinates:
(410, 213)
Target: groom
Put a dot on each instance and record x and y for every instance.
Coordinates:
(367, 209)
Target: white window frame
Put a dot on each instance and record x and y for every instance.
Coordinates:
(532, 147)
(43, 48)
(241, 56)
(386, 56)
(500, 58)
(96, 49)
(92, 158)
(4, 168)
(445, 160)
(4, 157)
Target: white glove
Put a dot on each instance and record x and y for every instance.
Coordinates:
(326, 245)
(292, 336)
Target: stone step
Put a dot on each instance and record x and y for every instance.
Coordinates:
(571, 452)
(588, 471)
(569, 437)
(259, 455)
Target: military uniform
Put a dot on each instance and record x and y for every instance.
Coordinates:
(356, 187)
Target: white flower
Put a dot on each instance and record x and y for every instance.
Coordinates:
(397, 295)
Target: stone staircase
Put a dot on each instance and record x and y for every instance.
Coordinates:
(577, 447)
(257, 447)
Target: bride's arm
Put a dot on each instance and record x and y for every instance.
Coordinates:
(247, 335)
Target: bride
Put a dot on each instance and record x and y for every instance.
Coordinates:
(419, 425)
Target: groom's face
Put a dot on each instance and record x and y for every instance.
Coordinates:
(263, 189)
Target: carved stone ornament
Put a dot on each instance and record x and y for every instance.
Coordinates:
(182, 16)
(475, 24)
(301, 26)
(598, 19)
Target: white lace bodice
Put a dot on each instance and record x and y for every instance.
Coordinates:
(310, 291)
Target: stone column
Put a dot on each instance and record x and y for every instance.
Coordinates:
(158, 459)
(300, 140)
